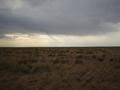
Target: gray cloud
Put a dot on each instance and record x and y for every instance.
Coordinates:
(10, 23)
(82, 17)
(35, 3)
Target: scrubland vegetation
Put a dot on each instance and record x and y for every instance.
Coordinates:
(59, 68)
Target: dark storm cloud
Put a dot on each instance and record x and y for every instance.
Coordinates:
(59, 16)
(10, 23)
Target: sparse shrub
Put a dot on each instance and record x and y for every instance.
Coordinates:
(64, 61)
(24, 69)
(56, 61)
(78, 61)
(101, 59)
(41, 69)
(89, 52)
(103, 55)
(94, 56)
(5, 66)
(33, 61)
(79, 57)
(111, 60)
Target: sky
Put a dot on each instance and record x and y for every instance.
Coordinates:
(27, 23)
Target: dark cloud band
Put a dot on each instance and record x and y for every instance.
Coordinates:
(82, 17)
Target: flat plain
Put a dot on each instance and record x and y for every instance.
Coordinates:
(60, 68)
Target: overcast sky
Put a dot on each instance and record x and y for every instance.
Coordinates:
(60, 22)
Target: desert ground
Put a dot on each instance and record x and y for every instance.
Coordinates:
(60, 68)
